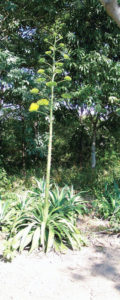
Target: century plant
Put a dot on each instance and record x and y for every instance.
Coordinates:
(47, 219)
(50, 75)
(26, 226)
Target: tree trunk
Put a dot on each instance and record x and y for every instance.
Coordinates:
(113, 10)
(93, 151)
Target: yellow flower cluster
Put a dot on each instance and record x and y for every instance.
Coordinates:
(43, 102)
(48, 52)
(66, 56)
(33, 107)
(68, 78)
(41, 71)
(34, 91)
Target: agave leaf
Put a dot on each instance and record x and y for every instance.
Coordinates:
(75, 243)
(25, 234)
(54, 210)
(43, 234)
(36, 239)
(76, 236)
(50, 239)
(57, 246)
(15, 243)
(69, 236)
(63, 193)
(53, 197)
(57, 229)
(68, 223)
(19, 234)
(28, 239)
(62, 247)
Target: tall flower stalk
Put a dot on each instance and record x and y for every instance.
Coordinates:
(52, 75)
(49, 156)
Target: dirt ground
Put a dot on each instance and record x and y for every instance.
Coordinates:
(93, 273)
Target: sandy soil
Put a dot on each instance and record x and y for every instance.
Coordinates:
(90, 274)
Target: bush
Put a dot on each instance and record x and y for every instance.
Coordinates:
(31, 230)
(107, 203)
(4, 181)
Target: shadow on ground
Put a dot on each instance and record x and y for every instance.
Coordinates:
(100, 263)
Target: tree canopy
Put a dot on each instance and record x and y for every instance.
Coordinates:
(92, 40)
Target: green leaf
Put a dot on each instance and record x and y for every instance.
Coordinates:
(41, 79)
(42, 60)
(28, 239)
(66, 96)
(36, 239)
(118, 111)
(57, 245)
(43, 234)
(50, 238)
(58, 71)
(25, 235)
(98, 108)
(15, 243)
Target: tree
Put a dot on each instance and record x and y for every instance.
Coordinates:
(112, 9)
(23, 30)
(98, 92)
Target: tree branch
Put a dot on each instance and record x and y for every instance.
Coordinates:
(113, 10)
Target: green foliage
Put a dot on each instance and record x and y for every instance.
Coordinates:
(69, 201)
(93, 50)
(4, 181)
(90, 55)
(4, 207)
(107, 204)
(30, 230)
(6, 215)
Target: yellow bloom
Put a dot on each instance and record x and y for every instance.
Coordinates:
(66, 56)
(51, 48)
(48, 52)
(68, 78)
(62, 45)
(43, 102)
(34, 91)
(41, 71)
(33, 107)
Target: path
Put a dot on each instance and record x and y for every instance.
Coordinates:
(90, 274)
